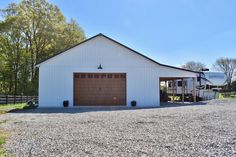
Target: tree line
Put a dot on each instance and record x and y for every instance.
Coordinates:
(224, 64)
(30, 32)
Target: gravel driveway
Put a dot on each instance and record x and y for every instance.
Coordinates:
(198, 130)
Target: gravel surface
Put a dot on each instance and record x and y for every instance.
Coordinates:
(197, 130)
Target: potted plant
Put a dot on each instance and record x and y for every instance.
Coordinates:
(133, 103)
(66, 103)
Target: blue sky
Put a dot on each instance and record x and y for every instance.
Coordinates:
(169, 31)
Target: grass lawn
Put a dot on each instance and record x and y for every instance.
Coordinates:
(227, 95)
(3, 137)
(3, 134)
(16, 106)
(20, 106)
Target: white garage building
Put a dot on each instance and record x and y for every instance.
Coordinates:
(103, 72)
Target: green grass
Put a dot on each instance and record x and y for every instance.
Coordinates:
(9, 107)
(227, 95)
(2, 122)
(2, 112)
(3, 137)
(15, 106)
(3, 134)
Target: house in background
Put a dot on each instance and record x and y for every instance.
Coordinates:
(103, 72)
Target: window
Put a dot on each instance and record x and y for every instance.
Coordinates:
(82, 75)
(90, 75)
(179, 83)
(103, 76)
(122, 75)
(96, 76)
(169, 84)
(109, 76)
(116, 75)
(76, 75)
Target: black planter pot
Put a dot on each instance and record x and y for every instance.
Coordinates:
(65, 103)
(133, 103)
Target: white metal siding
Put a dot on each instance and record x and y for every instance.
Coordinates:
(56, 74)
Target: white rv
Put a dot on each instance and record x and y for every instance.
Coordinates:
(207, 85)
(216, 79)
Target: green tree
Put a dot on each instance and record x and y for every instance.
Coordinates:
(32, 31)
(11, 44)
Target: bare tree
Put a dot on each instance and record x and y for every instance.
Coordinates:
(227, 66)
(195, 66)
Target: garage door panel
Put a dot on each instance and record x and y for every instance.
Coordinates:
(102, 89)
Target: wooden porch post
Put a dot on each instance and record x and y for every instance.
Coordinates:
(194, 90)
(173, 91)
(182, 90)
(172, 85)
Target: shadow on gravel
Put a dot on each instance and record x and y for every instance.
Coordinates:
(99, 109)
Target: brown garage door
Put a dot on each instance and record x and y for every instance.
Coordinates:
(99, 89)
